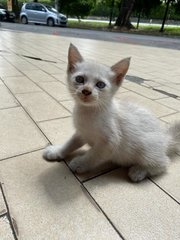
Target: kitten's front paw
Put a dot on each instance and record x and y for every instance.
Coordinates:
(53, 153)
(137, 174)
(79, 165)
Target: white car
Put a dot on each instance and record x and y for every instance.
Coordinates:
(42, 14)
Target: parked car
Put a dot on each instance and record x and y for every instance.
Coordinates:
(42, 14)
(6, 15)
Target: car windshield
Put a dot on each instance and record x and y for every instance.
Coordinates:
(51, 9)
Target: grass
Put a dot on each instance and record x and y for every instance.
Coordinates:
(143, 29)
(154, 30)
(87, 25)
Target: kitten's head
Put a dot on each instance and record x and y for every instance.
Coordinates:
(91, 83)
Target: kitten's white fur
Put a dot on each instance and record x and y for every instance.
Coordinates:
(124, 133)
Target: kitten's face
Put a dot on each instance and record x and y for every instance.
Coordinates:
(93, 84)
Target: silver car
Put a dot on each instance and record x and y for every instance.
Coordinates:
(42, 14)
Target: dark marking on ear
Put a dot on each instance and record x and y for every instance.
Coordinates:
(118, 79)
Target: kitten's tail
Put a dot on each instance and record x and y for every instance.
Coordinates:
(174, 133)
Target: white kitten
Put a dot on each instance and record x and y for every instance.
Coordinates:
(124, 133)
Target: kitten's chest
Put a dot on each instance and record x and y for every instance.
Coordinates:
(86, 123)
(89, 125)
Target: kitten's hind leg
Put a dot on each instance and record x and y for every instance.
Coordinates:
(59, 152)
(137, 173)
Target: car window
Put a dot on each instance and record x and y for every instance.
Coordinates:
(39, 8)
(51, 9)
(29, 6)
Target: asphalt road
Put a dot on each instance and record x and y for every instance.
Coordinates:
(154, 41)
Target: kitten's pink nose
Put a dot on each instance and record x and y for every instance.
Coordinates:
(86, 92)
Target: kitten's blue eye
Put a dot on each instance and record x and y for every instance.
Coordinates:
(100, 84)
(79, 79)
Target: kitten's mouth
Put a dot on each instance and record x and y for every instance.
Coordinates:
(86, 99)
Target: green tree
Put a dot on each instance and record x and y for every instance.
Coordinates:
(105, 8)
(143, 8)
(63, 4)
(78, 8)
(110, 5)
(177, 7)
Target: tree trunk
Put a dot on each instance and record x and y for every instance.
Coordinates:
(111, 13)
(138, 21)
(123, 20)
(15, 8)
(165, 16)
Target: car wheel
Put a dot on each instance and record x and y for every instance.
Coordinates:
(24, 20)
(50, 22)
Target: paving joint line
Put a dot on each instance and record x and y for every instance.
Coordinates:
(28, 114)
(8, 214)
(168, 116)
(151, 87)
(3, 214)
(39, 91)
(62, 61)
(22, 154)
(53, 119)
(100, 174)
(162, 189)
(93, 201)
(36, 91)
(130, 90)
(103, 212)
(10, 107)
(30, 57)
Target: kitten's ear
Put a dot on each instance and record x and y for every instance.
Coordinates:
(74, 56)
(120, 69)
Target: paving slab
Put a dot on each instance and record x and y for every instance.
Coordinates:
(39, 76)
(56, 89)
(171, 103)
(58, 130)
(171, 118)
(25, 66)
(139, 211)
(158, 109)
(7, 99)
(48, 202)
(41, 106)
(2, 204)
(12, 58)
(144, 91)
(9, 72)
(169, 90)
(169, 181)
(18, 133)
(69, 104)
(61, 76)
(20, 84)
(50, 68)
(5, 229)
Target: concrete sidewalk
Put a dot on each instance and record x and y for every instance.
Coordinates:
(46, 201)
